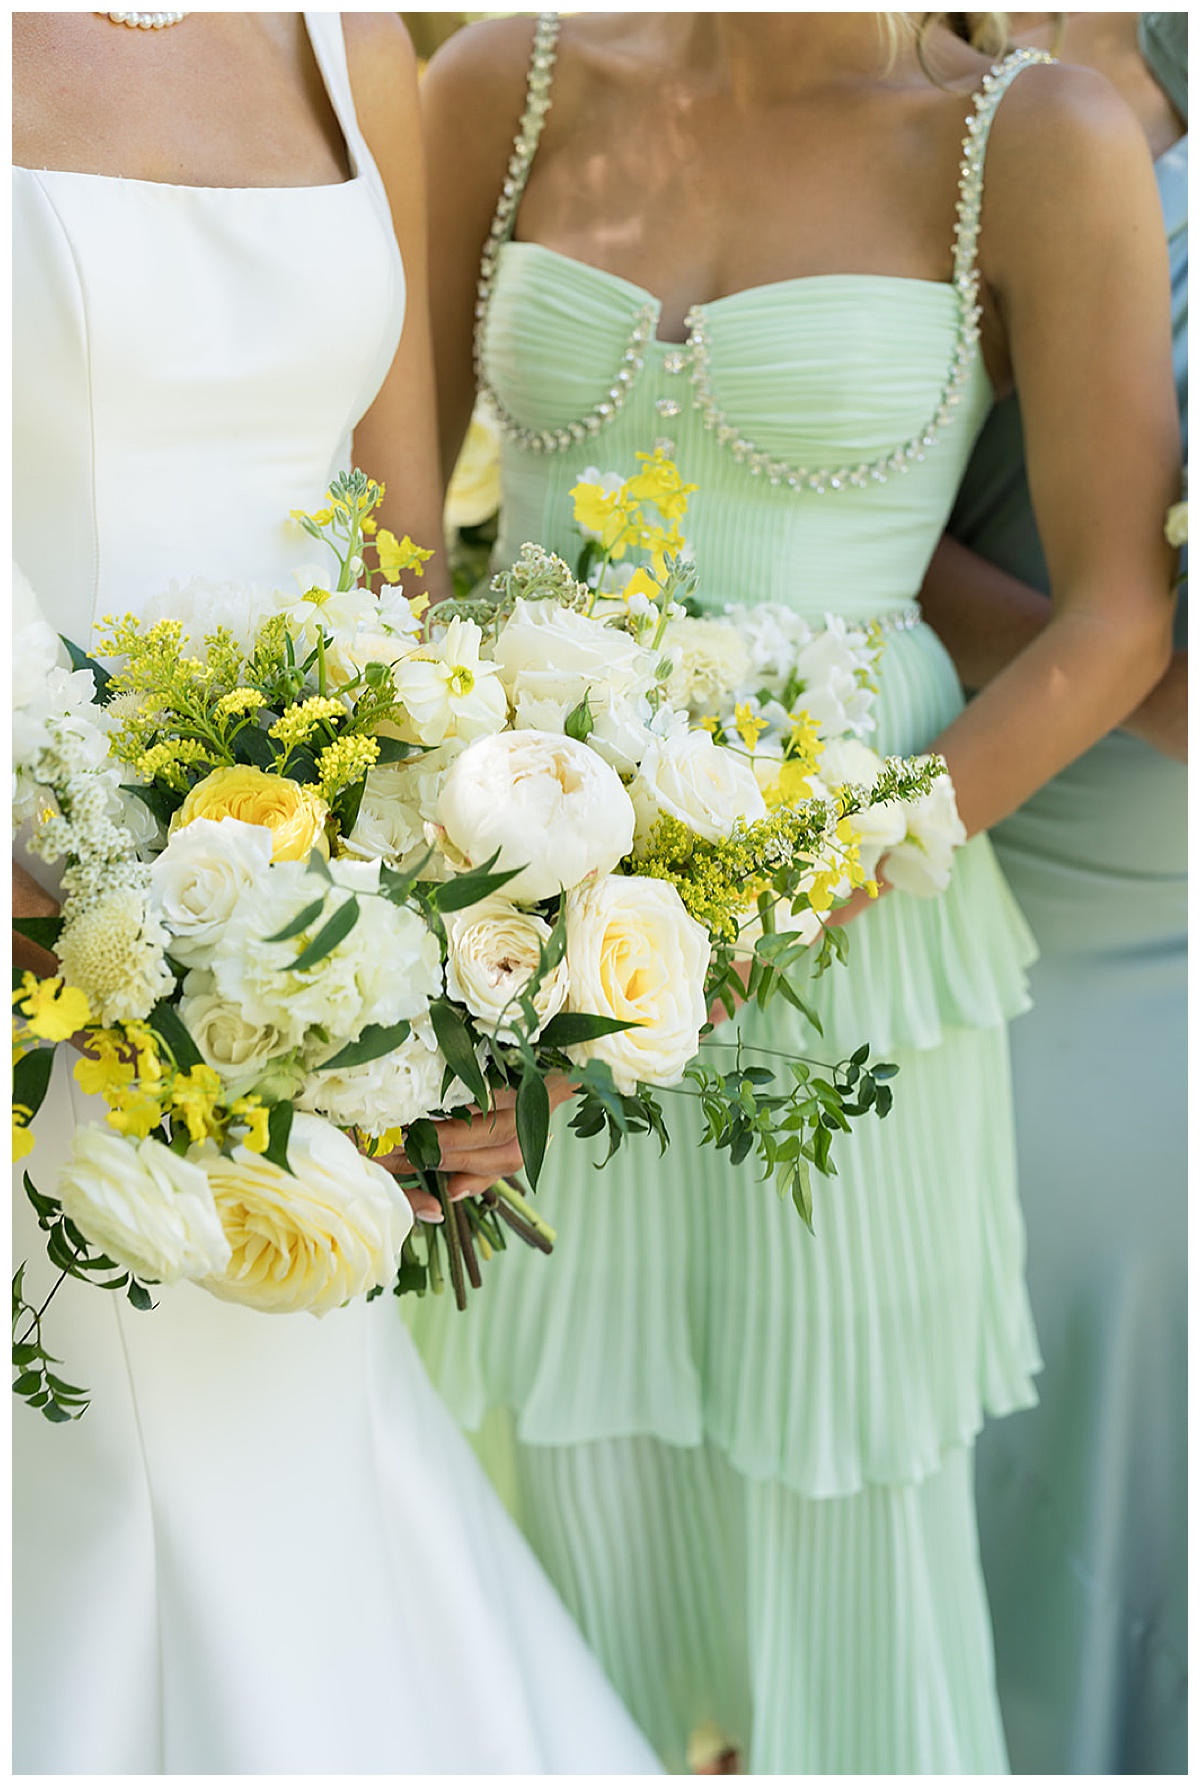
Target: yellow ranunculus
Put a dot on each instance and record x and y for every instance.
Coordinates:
(474, 492)
(294, 812)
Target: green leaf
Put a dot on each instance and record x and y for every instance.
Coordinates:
(167, 1024)
(860, 1055)
(81, 661)
(533, 1122)
(139, 1296)
(279, 1128)
(476, 884)
(580, 723)
(571, 1027)
(333, 932)
(42, 931)
(31, 1078)
(392, 750)
(162, 802)
(27, 1384)
(374, 1041)
(300, 923)
(253, 745)
(422, 1146)
(454, 1040)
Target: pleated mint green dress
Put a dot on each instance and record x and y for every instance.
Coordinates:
(743, 1452)
(1083, 1501)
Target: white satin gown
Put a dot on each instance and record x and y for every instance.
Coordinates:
(265, 1548)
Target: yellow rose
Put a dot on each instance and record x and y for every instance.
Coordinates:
(474, 491)
(294, 812)
(310, 1239)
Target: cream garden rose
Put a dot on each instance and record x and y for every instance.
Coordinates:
(293, 812)
(493, 953)
(237, 1048)
(309, 1239)
(634, 952)
(692, 779)
(142, 1205)
(553, 809)
(921, 862)
(197, 881)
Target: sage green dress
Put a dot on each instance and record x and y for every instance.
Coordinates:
(743, 1452)
(1083, 1501)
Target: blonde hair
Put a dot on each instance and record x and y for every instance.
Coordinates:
(987, 32)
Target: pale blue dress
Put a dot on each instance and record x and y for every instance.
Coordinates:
(1083, 1499)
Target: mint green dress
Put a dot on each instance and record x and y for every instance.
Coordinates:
(1083, 1500)
(743, 1452)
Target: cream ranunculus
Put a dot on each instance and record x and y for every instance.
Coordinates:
(921, 863)
(633, 952)
(493, 953)
(197, 881)
(309, 1239)
(293, 812)
(552, 808)
(474, 492)
(692, 779)
(144, 1206)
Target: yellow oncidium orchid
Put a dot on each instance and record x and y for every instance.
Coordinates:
(399, 555)
(609, 514)
(22, 1135)
(51, 1009)
(133, 1110)
(105, 1069)
(750, 726)
(257, 1117)
(195, 1095)
(793, 784)
(659, 483)
(640, 584)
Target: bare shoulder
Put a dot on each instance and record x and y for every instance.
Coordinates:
(481, 71)
(1068, 119)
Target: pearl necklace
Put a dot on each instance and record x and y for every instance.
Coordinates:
(143, 21)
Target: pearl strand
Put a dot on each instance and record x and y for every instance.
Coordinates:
(144, 21)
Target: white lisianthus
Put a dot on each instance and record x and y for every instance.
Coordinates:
(392, 1091)
(309, 1239)
(493, 954)
(199, 878)
(706, 786)
(709, 660)
(550, 657)
(239, 1050)
(142, 1205)
(113, 948)
(634, 953)
(449, 690)
(876, 829)
(201, 607)
(387, 968)
(921, 863)
(553, 809)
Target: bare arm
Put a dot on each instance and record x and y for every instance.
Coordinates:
(396, 441)
(1078, 268)
(985, 617)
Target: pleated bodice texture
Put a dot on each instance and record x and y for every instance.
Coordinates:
(129, 475)
(684, 1300)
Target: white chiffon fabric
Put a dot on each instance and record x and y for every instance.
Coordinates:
(265, 1548)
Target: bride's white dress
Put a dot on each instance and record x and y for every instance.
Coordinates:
(265, 1548)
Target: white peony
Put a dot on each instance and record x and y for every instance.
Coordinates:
(550, 657)
(387, 968)
(552, 808)
(309, 1239)
(449, 691)
(144, 1206)
(633, 952)
(493, 953)
(921, 863)
(199, 878)
(692, 779)
(392, 1091)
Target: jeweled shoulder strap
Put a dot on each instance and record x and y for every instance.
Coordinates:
(537, 104)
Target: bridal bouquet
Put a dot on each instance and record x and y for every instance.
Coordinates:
(340, 864)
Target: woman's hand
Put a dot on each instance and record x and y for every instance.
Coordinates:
(475, 1151)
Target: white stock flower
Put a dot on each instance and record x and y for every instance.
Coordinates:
(200, 876)
(142, 1205)
(835, 669)
(493, 953)
(392, 1091)
(634, 952)
(772, 634)
(702, 784)
(552, 808)
(551, 657)
(387, 968)
(709, 659)
(449, 691)
(921, 863)
(309, 1239)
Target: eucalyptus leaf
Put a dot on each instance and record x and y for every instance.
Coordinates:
(333, 932)
(374, 1041)
(80, 660)
(533, 1122)
(454, 1040)
(572, 1027)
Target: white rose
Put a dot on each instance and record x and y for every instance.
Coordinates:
(921, 863)
(493, 953)
(309, 1239)
(551, 657)
(144, 1206)
(200, 876)
(552, 808)
(877, 829)
(709, 661)
(633, 952)
(694, 780)
(238, 1049)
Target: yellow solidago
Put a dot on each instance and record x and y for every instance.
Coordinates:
(51, 1009)
(239, 701)
(297, 724)
(195, 1096)
(169, 760)
(399, 555)
(342, 763)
